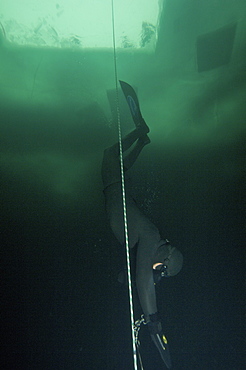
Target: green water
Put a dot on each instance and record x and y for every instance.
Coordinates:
(62, 306)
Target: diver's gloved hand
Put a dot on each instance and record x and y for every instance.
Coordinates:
(156, 333)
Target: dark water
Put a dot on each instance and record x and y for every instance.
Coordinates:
(61, 304)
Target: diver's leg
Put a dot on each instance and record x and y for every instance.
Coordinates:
(129, 139)
(131, 158)
(110, 165)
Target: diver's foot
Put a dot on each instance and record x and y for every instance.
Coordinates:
(145, 140)
(142, 125)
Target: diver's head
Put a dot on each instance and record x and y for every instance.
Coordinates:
(168, 260)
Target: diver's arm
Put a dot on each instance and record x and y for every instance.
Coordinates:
(145, 283)
(147, 297)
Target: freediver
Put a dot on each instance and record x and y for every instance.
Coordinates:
(155, 257)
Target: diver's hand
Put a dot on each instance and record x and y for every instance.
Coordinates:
(157, 336)
(154, 327)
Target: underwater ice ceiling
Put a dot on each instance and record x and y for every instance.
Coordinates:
(80, 23)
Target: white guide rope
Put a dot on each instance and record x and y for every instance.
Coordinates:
(124, 198)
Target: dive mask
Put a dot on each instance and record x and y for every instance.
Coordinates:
(160, 270)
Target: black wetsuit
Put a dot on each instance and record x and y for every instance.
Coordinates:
(143, 234)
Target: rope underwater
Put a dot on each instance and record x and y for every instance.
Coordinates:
(124, 198)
